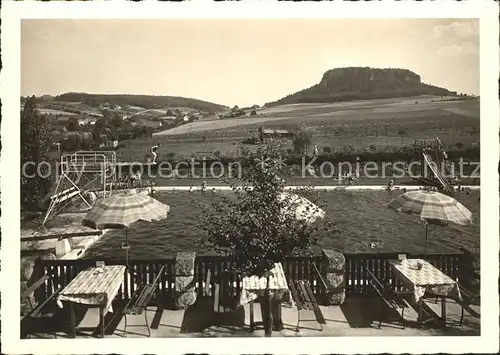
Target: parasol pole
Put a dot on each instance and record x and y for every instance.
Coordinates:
(126, 247)
(425, 243)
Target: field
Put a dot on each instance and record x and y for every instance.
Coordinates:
(48, 111)
(380, 125)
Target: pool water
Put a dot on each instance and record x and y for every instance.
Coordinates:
(364, 221)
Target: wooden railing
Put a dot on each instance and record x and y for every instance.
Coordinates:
(139, 271)
(355, 279)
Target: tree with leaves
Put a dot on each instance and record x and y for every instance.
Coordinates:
(73, 125)
(36, 141)
(117, 121)
(302, 141)
(257, 226)
(402, 132)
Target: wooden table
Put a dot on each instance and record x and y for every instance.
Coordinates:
(428, 279)
(94, 287)
(275, 293)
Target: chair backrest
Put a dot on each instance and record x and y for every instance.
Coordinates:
(323, 282)
(158, 276)
(26, 293)
(373, 279)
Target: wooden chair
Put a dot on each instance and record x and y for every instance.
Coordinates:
(304, 299)
(46, 317)
(469, 297)
(391, 300)
(139, 301)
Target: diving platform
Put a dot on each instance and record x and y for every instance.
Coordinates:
(80, 174)
(433, 163)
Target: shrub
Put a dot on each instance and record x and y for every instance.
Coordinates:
(35, 146)
(257, 227)
(302, 141)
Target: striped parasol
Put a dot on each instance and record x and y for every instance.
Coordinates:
(121, 211)
(433, 208)
(302, 207)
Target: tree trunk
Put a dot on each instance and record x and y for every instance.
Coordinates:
(268, 317)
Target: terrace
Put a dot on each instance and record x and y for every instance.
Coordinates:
(357, 316)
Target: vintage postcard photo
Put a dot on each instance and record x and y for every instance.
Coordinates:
(247, 179)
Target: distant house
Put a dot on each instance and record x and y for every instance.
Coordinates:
(167, 118)
(265, 134)
(105, 142)
(83, 135)
(149, 123)
(63, 119)
(89, 121)
(94, 114)
(109, 144)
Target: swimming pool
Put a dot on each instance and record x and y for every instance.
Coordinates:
(365, 223)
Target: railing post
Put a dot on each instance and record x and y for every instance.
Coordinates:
(185, 284)
(334, 277)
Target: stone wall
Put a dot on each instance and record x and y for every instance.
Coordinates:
(334, 277)
(185, 287)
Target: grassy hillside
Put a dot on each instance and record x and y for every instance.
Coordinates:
(143, 101)
(356, 83)
(377, 125)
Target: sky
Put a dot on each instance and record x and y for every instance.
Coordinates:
(238, 62)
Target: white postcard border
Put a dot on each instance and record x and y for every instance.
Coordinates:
(487, 11)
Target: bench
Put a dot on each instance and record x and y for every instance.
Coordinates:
(139, 301)
(46, 317)
(304, 299)
(391, 300)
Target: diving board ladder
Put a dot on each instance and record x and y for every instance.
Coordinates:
(80, 173)
(435, 170)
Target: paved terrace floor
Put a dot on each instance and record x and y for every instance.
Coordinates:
(356, 317)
